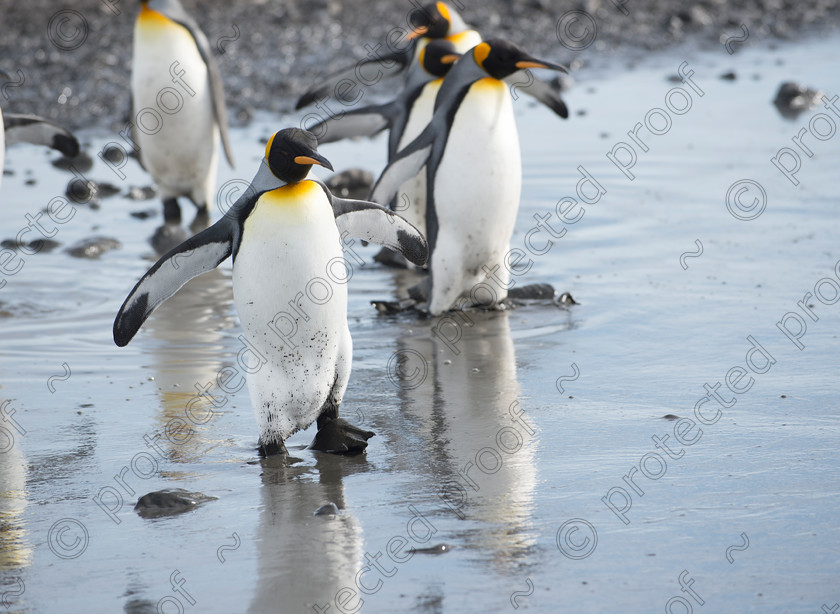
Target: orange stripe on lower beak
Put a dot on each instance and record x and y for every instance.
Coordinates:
(529, 64)
(307, 160)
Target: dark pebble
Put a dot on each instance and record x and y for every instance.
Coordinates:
(93, 247)
(113, 154)
(81, 192)
(30, 182)
(41, 246)
(438, 549)
(328, 509)
(169, 502)
(144, 214)
(670, 417)
(729, 76)
(138, 193)
(352, 183)
(81, 162)
(105, 190)
(794, 98)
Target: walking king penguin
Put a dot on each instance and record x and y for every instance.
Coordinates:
(290, 289)
(178, 105)
(470, 150)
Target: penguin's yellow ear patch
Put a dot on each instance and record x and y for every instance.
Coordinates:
(421, 57)
(444, 11)
(480, 53)
(268, 145)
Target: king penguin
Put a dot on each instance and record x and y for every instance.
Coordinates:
(284, 235)
(178, 105)
(436, 20)
(404, 117)
(433, 21)
(470, 151)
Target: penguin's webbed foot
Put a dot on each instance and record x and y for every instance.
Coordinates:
(340, 437)
(272, 448)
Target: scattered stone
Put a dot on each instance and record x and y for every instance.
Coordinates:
(144, 214)
(81, 162)
(80, 191)
(729, 76)
(93, 247)
(106, 190)
(169, 502)
(438, 549)
(352, 183)
(792, 99)
(328, 509)
(39, 246)
(138, 193)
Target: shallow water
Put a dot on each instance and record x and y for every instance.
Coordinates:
(500, 444)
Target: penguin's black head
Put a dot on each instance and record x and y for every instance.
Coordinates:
(437, 57)
(434, 20)
(290, 154)
(500, 58)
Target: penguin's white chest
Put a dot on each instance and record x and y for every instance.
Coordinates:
(174, 123)
(479, 178)
(292, 302)
(476, 195)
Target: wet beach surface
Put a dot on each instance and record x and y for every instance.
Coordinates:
(500, 435)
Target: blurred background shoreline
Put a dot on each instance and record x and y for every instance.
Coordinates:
(72, 63)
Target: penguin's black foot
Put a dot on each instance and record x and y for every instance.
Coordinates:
(272, 448)
(389, 257)
(171, 211)
(340, 437)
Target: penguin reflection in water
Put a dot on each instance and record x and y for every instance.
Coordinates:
(282, 234)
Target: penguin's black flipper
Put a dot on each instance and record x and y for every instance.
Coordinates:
(360, 219)
(25, 128)
(542, 91)
(367, 121)
(406, 164)
(197, 255)
(390, 64)
(175, 12)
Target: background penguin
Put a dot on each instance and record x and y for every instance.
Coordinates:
(175, 77)
(474, 174)
(284, 235)
(405, 117)
(436, 20)
(25, 128)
